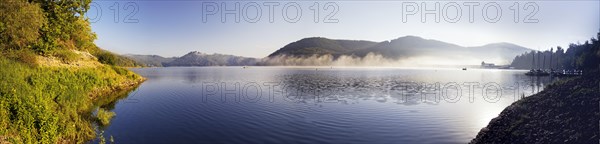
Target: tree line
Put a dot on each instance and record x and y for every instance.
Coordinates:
(45, 25)
(50, 28)
(576, 57)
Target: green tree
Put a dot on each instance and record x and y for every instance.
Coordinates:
(20, 22)
(66, 26)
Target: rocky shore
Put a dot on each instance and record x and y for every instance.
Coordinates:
(567, 111)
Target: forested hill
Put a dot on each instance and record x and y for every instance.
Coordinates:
(150, 60)
(400, 48)
(321, 46)
(576, 57)
(52, 74)
(196, 58)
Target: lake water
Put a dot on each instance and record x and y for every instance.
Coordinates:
(314, 105)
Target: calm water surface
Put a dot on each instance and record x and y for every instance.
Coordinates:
(314, 105)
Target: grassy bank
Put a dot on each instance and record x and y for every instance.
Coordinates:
(52, 74)
(54, 104)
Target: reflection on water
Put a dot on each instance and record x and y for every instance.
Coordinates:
(108, 102)
(315, 105)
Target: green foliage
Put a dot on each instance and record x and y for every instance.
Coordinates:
(65, 55)
(106, 57)
(66, 27)
(50, 104)
(25, 56)
(104, 116)
(101, 139)
(577, 57)
(20, 22)
(45, 26)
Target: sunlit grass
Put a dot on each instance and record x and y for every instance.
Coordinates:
(104, 116)
(54, 104)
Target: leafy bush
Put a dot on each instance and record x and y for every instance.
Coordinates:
(106, 57)
(20, 22)
(104, 116)
(109, 58)
(65, 55)
(25, 56)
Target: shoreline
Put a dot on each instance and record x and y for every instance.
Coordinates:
(55, 103)
(565, 112)
(127, 85)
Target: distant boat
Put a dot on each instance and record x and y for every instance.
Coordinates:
(464, 68)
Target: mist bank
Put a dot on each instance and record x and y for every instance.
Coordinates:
(369, 60)
(408, 51)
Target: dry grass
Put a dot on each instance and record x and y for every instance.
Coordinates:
(83, 59)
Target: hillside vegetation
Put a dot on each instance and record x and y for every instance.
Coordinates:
(564, 112)
(576, 57)
(54, 104)
(151, 60)
(52, 74)
(202, 59)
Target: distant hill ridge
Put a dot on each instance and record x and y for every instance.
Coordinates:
(403, 47)
(398, 49)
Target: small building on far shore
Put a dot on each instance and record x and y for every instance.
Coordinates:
(487, 65)
(494, 66)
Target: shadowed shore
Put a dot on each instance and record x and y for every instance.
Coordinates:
(565, 112)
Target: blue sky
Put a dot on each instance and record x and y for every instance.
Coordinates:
(174, 28)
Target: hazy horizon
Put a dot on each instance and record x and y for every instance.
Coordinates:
(174, 28)
(320, 37)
